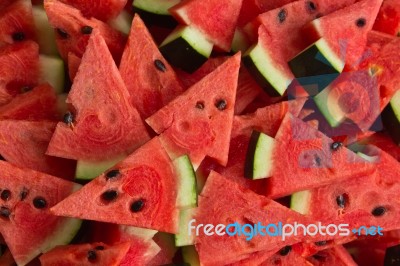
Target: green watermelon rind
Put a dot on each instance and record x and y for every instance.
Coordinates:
(86, 170)
(300, 201)
(329, 107)
(52, 71)
(190, 255)
(159, 7)
(122, 22)
(182, 238)
(391, 117)
(44, 32)
(187, 184)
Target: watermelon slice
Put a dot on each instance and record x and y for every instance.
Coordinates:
(384, 142)
(103, 10)
(16, 22)
(85, 254)
(241, 206)
(24, 143)
(319, 160)
(216, 19)
(37, 104)
(199, 121)
(26, 223)
(19, 65)
(140, 191)
(375, 204)
(388, 19)
(150, 80)
(73, 30)
(101, 124)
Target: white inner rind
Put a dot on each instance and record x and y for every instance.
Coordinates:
(327, 103)
(155, 6)
(187, 192)
(263, 164)
(88, 170)
(300, 202)
(52, 71)
(395, 103)
(183, 238)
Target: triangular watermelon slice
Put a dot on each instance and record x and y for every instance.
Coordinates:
(238, 206)
(216, 19)
(199, 121)
(344, 32)
(73, 30)
(139, 191)
(101, 124)
(86, 254)
(37, 104)
(24, 143)
(26, 223)
(16, 22)
(301, 157)
(19, 68)
(149, 78)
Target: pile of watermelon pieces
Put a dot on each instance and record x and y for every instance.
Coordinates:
(122, 122)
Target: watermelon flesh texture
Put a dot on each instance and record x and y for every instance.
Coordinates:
(337, 255)
(242, 206)
(105, 125)
(85, 254)
(150, 80)
(73, 65)
(29, 230)
(38, 104)
(199, 122)
(316, 164)
(68, 23)
(347, 42)
(24, 143)
(362, 195)
(100, 9)
(16, 22)
(388, 19)
(19, 65)
(216, 19)
(148, 176)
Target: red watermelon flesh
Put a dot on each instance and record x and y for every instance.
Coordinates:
(150, 80)
(199, 121)
(73, 65)
(19, 65)
(337, 256)
(85, 255)
(290, 259)
(105, 125)
(69, 22)
(145, 179)
(242, 206)
(24, 143)
(100, 9)
(303, 158)
(384, 142)
(216, 19)
(347, 41)
(37, 104)
(30, 230)
(388, 19)
(362, 196)
(16, 22)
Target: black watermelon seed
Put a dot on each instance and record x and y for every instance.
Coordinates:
(285, 250)
(320, 243)
(317, 160)
(63, 34)
(39, 203)
(18, 36)
(336, 145)
(361, 22)
(137, 205)
(112, 174)
(86, 30)
(109, 195)
(91, 255)
(200, 105)
(221, 105)
(5, 212)
(341, 200)
(5, 195)
(23, 194)
(25, 89)
(378, 211)
(68, 118)
(160, 65)
(99, 248)
(282, 15)
(311, 7)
